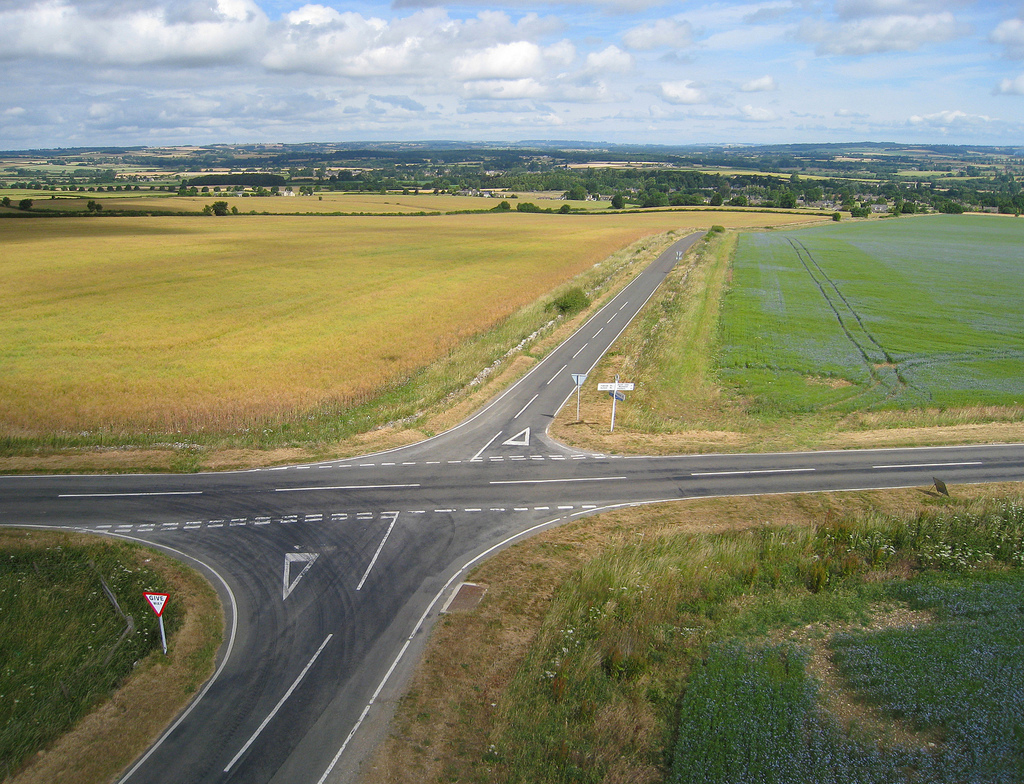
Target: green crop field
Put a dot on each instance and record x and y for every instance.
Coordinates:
(911, 313)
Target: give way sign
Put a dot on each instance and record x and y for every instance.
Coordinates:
(157, 601)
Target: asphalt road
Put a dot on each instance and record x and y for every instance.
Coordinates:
(332, 573)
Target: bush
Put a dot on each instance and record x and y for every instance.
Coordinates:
(572, 301)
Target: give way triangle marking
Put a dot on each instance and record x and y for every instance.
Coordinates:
(521, 438)
(289, 559)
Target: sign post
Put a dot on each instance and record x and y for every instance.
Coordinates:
(158, 601)
(578, 378)
(615, 391)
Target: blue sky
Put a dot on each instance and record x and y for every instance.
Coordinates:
(154, 72)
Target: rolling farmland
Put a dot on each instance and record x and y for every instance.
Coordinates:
(897, 314)
(178, 325)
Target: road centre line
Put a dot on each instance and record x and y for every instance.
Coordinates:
(744, 473)
(527, 405)
(929, 465)
(280, 702)
(341, 487)
(598, 332)
(551, 481)
(580, 351)
(128, 495)
(556, 374)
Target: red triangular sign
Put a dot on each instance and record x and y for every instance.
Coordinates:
(157, 601)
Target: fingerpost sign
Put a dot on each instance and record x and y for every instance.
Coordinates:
(158, 601)
(615, 390)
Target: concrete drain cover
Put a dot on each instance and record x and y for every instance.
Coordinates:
(465, 598)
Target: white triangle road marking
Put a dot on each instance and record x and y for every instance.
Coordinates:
(521, 438)
(289, 559)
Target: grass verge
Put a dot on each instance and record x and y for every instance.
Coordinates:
(574, 666)
(85, 689)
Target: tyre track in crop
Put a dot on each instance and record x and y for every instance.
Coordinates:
(822, 280)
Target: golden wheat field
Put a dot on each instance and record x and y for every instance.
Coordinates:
(213, 323)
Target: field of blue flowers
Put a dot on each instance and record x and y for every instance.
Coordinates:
(890, 314)
(659, 659)
(750, 711)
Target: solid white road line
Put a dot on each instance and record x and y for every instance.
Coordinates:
(928, 465)
(394, 519)
(340, 487)
(526, 406)
(477, 455)
(280, 702)
(551, 481)
(745, 473)
(127, 495)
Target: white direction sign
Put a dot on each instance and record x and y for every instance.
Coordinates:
(616, 386)
(157, 602)
(289, 559)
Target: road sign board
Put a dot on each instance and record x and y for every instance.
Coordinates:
(617, 395)
(579, 378)
(624, 386)
(157, 601)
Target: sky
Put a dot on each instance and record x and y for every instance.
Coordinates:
(81, 73)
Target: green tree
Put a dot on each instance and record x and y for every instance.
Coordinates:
(618, 201)
(25, 204)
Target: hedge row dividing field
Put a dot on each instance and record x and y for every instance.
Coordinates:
(896, 314)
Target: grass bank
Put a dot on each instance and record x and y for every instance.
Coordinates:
(85, 684)
(601, 648)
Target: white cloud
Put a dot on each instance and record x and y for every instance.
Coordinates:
(859, 9)
(896, 33)
(683, 93)
(609, 60)
(226, 30)
(1010, 34)
(504, 89)
(504, 61)
(1013, 86)
(317, 15)
(670, 33)
(946, 118)
(762, 84)
(758, 114)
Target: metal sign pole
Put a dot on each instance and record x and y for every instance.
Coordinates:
(578, 379)
(163, 637)
(614, 401)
